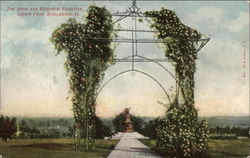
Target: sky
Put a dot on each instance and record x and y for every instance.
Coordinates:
(34, 81)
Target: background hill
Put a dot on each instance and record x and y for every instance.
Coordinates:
(221, 121)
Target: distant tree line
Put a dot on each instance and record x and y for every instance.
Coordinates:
(238, 131)
(44, 128)
(217, 132)
(58, 128)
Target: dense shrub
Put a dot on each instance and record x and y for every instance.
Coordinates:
(181, 133)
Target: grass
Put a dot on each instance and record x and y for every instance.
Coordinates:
(53, 148)
(217, 148)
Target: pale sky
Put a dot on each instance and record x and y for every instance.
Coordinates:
(33, 81)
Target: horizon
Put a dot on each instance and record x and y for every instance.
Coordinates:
(33, 80)
(108, 117)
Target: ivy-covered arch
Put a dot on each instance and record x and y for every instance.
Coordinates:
(180, 131)
(89, 53)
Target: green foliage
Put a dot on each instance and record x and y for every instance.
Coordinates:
(28, 132)
(53, 148)
(101, 129)
(118, 122)
(149, 129)
(7, 127)
(181, 133)
(88, 56)
(179, 47)
(137, 123)
(222, 136)
(217, 148)
(228, 133)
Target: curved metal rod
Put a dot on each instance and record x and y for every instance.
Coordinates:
(154, 62)
(144, 73)
(159, 65)
(178, 83)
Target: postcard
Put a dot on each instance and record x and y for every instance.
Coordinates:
(124, 79)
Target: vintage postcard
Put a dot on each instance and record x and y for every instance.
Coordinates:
(124, 79)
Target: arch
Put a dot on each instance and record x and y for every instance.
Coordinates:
(159, 64)
(156, 62)
(138, 71)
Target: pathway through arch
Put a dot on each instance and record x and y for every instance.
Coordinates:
(130, 147)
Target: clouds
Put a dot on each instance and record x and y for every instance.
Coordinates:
(221, 88)
(213, 15)
(33, 80)
(217, 21)
(241, 23)
(219, 79)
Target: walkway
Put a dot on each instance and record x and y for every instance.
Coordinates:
(130, 147)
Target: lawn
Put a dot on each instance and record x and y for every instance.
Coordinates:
(217, 148)
(52, 148)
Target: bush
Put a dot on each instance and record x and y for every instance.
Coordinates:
(149, 129)
(181, 133)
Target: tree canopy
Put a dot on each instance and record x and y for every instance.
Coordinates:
(7, 127)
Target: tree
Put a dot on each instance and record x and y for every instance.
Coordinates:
(101, 129)
(7, 127)
(118, 122)
(149, 129)
(137, 123)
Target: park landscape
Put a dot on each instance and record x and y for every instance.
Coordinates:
(88, 48)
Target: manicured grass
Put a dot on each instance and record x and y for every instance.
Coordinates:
(229, 148)
(217, 148)
(52, 148)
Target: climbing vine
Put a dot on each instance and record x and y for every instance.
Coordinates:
(87, 58)
(180, 132)
(179, 47)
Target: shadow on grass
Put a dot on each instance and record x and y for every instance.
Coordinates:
(57, 146)
(49, 146)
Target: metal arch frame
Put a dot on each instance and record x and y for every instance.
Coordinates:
(135, 12)
(138, 71)
(154, 61)
(159, 64)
